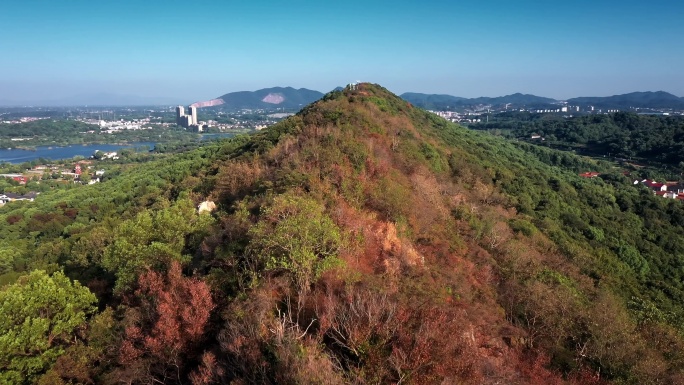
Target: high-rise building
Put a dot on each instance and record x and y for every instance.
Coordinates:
(180, 112)
(190, 120)
(192, 111)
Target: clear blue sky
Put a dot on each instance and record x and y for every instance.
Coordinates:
(200, 50)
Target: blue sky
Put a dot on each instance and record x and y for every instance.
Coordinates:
(200, 50)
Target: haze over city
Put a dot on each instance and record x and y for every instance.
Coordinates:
(180, 51)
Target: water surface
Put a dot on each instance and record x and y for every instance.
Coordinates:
(16, 155)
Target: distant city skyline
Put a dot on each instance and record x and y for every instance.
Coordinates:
(189, 52)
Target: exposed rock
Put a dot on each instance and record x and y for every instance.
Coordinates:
(206, 206)
(394, 247)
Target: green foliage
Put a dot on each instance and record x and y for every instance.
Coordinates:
(389, 198)
(522, 226)
(530, 254)
(382, 103)
(633, 258)
(152, 239)
(8, 256)
(595, 233)
(39, 317)
(433, 157)
(294, 234)
(555, 278)
(52, 132)
(622, 134)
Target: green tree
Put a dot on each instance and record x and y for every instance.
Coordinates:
(40, 316)
(152, 239)
(8, 255)
(295, 234)
(85, 177)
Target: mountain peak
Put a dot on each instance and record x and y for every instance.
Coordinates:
(269, 98)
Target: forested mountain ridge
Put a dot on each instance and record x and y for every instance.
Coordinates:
(445, 102)
(270, 98)
(658, 99)
(362, 240)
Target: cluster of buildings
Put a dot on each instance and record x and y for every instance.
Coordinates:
(60, 172)
(97, 154)
(22, 120)
(557, 110)
(671, 190)
(113, 126)
(188, 121)
(11, 197)
(479, 113)
(456, 117)
(47, 172)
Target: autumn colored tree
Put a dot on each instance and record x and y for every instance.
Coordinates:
(162, 332)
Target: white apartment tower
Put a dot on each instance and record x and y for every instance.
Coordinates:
(188, 121)
(192, 111)
(180, 112)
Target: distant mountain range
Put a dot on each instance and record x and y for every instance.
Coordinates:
(655, 100)
(659, 99)
(432, 101)
(442, 102)
(291, 98)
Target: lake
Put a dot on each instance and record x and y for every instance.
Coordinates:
(54, 152)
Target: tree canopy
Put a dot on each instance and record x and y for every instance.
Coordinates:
(39, 317)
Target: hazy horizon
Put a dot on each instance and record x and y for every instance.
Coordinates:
(190, 52)
(137, 100)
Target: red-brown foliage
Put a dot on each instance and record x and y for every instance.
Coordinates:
(12, 219)
(534, 370)
(174, 313)
(207, 372)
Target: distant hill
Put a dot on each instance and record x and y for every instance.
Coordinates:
(432, 101)
(516, 98)
(276, 97)
(659, 99)
(442, 102)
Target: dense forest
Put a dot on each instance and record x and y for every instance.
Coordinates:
(363, 241)
(623, 134)
(51, 132)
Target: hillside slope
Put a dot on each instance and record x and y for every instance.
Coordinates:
(362, 240)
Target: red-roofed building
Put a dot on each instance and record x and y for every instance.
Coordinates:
(589, 174)
(655, 186)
